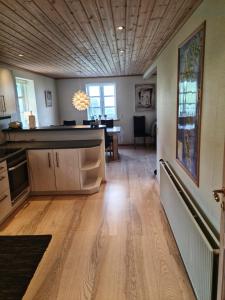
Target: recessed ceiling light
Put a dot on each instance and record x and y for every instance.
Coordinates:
(120, 27)
(20, 55)
(121, 51)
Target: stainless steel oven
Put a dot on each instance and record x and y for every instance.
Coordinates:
(18, 174)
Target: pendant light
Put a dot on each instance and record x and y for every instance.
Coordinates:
(81, 100)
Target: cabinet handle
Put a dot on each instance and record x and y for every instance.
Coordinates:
(49, 160)
(57, 159)
(2, 103)
(4, 106)
(3, 198)
(1, 178)
(17, 166)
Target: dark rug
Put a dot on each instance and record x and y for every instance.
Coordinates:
(19, 258)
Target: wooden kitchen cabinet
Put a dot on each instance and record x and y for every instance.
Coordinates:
(4, 182)
(90, 169)
(41, 170)
(8, 91)
(65, 170)
(5, 200)
(54, 170)
(67, 174)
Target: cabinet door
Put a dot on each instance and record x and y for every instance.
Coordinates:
(41, 170)
(5, 205)
(8, 90)
(67, 169)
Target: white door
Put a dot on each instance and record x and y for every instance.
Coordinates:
(220, 197)
(67, 169)
(41, 170)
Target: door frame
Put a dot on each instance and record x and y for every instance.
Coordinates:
(221, 271)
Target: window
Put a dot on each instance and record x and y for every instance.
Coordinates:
(187, 101)
(102, 100)
(26, 99)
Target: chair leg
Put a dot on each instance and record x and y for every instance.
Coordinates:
(106, 157)
(134, 143)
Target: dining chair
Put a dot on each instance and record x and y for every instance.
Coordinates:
(69, 123)
(153, 132)
(108, 143)
(87, 122)
(139, 128)
(108, 123)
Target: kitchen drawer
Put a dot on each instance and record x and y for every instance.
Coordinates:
(3, 167)
(4, 182)
(5, 204)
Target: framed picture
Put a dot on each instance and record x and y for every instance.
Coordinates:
(48, 98)
(144, 97)
(189, 98)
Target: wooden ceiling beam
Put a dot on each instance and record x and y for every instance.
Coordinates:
(84, 16)
(69, 37)
(98, 24)
(21, 27)
(79, 38)
(35, 16)
(76, 30)
(27, 49)
(143, 25)
(166, 29)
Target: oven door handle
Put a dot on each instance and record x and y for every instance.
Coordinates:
(17, 166)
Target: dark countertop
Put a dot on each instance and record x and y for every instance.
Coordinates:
(55, 128)
(49, 145)
(4, 156)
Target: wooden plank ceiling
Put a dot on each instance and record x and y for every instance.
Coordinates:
(80, 38)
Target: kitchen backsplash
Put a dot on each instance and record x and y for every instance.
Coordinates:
(3, 124)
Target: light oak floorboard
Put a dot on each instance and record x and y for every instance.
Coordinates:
(113, 245)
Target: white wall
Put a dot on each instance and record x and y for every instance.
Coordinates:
(46, 115)
(125, 95)
(213, 105)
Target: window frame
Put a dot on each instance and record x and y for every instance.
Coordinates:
(102, 96)
(31, 105)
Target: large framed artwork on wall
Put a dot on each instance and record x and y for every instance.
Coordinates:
(144, 97)
(189, 99)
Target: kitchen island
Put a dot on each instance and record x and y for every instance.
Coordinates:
(55, 133)
(62, 159)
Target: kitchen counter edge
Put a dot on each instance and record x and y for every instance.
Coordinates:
(41, 145)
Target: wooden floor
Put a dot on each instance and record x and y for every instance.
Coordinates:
(113, 245)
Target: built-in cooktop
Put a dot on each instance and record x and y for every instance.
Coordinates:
(6, 151)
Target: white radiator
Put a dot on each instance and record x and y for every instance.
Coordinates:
(198, 246)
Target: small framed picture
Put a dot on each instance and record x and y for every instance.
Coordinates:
(48, 98)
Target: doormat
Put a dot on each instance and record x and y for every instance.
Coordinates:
(19, 258)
